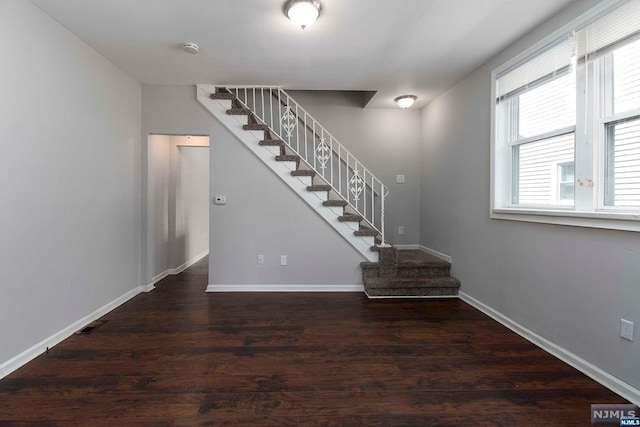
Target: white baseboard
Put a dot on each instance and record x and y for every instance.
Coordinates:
(173, 271)
(411, 296)
(31, 353)
(436, 253)
(158, 278)
(407, 247)
(147, 288)
(285, 288)
(613, 383)
(188, 263)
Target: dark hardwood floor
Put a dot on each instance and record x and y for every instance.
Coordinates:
(180, 357)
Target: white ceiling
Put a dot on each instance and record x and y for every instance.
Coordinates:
(394, 47)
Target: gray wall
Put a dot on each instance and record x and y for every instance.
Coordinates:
(262, 216)
(192, 203)
(387, 141)
(69, 179)
(177, 197)
(570, 285)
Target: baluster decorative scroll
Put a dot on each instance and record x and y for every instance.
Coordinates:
(323, 153)
(356, 185)
(288, 121)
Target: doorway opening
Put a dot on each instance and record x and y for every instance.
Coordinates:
(177, 203)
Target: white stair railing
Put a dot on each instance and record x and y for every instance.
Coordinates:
(320, 150)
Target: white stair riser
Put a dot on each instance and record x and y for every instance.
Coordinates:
(305, 180)
(226, 103)
(321, 195)
(289, 165)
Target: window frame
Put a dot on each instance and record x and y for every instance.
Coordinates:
(589, 209)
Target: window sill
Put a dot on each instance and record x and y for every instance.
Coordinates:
(605, 220)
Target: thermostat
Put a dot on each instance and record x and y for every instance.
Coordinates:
(220, 200)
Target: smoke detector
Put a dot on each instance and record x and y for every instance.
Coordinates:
(191, 48)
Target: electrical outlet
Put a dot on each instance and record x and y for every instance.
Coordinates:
(399, 179)
(260, 259)
(626, 329)
(283, 260)
(401, 230)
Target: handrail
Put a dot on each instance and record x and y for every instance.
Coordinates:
(324, 130)
(317, 145)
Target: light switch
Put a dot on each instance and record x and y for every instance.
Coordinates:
(399, 179)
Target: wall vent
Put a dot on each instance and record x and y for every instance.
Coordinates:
(91, 327)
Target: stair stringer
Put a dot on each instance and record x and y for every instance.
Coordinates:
(218, 108)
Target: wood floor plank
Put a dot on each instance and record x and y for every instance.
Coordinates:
(180, 357)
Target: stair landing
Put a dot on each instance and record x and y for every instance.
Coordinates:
(408, 273)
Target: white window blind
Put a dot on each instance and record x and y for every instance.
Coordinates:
(548, 107)
(626, 78)
(552, 61)
(614, 27)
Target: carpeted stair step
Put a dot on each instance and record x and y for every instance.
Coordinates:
(303, 172)
(319, 188)
(350, 218)
(288, 158)
(271, 142)
(239, 112)
(335, 203)
(416, 263)
(411, 286)
(370, 269)
(274, 143)
(255, 126)
(223, 95)
(411, 263)
(366, 231)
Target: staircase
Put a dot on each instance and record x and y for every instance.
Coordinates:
(307, 158)
(330, 180)
(408, 273)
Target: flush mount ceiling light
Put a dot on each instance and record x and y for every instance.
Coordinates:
(302, 12)
(406, 101)
(191, 48)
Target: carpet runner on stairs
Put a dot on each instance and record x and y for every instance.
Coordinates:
(411, 273)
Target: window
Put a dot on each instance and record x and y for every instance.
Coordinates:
(565, 187)
(566, 131)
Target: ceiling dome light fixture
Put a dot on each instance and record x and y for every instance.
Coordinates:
(406, 101)
(302, 12)
(191, 48)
